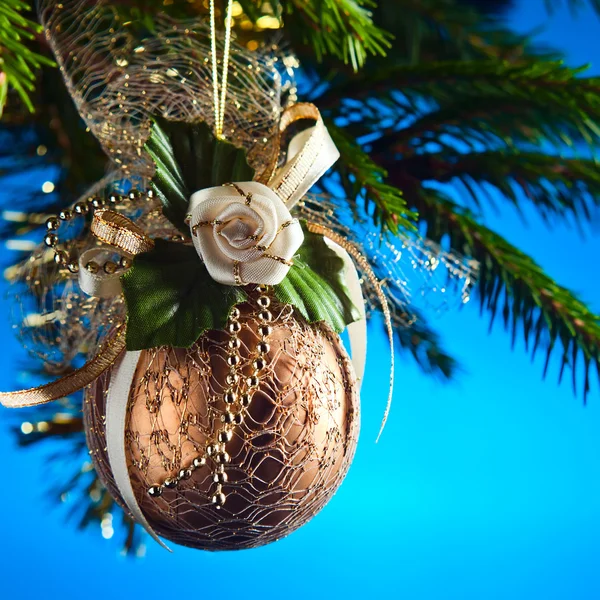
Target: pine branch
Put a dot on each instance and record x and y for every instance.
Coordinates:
(340, 28)
(425, 346)
(77, 482)
(557, 187)
(362, 179)
(546, 313)
(17, 60)
(546, 83)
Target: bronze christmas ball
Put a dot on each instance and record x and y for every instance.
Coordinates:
(241, 439)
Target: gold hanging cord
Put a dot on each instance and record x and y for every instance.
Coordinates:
(219, 102)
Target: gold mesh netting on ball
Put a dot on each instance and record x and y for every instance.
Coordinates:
(241, 454)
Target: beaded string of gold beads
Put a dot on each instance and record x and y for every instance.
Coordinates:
(237, 396)
(240, 401)
(53, 223)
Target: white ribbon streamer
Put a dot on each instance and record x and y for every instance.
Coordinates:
(312, 154)
(357, 331)
(116, 416)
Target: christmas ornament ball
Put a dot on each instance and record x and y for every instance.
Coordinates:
(240, 439)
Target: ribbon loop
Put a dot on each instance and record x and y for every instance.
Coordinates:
(75, 381)
(120, 232)
(310, 154)
(99, 284)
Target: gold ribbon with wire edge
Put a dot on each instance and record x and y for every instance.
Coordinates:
(73, 382)
(123, 234)
(118, 231)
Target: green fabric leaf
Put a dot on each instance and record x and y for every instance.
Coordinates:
(189, 158)
(316, 287)
(172, 300)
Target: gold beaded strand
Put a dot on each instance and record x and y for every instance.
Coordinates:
(80, 209)
(237, 397)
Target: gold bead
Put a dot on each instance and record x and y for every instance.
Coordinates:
(229, 397)
(237, 419)
(170, 483)
(110, 267)
(263, 348)
(234, 327)
(81, 208)
(265, 330)
(184, 474)
(232, 378)
(134, 195)
(245, 400)
(259, 364)
(65, 215)
(52, 224)
(262, 289)
(150, 193)
(114, 198)
(155, 491)
(61, 257)
(265, 315)
(222, 458)
(225, 436)
(51, 239)
(264, 301)
(228, 417)
(233, 360)
(125, 262)
(97, 203)
(218, 499)
(73, 266)
(234, 343)
(92, 267)
(252, 381)
(235, 313)
(211, 449)
(220, 477)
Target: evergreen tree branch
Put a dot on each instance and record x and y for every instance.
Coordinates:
(442, 81)
(363, 179)
(91, 503)
(340, 28)
(17, 61)
(512, 283)
(557, 187)
(425, 346)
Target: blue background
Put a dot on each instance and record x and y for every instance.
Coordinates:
(485, 488)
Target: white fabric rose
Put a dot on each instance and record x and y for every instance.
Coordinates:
(244, 233)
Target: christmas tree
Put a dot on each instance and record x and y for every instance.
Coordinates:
(437, 109)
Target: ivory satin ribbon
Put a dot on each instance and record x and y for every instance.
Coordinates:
(310, 154)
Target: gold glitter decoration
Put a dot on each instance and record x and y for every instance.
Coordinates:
(230, 454)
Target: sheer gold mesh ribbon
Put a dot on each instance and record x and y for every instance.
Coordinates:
(124, 235)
